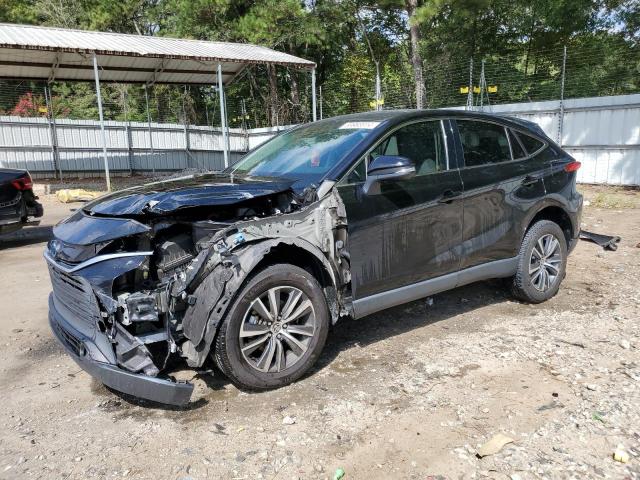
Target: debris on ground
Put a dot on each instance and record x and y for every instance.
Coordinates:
(339, 475)
(626, 344)
(288, 420)
(494, 445)
(607, 242)
(620, 455)
(76, 195)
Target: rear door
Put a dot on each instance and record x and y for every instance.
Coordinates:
(501, 182)
(412, 230)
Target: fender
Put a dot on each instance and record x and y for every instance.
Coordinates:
(211, 300)
(552, 200)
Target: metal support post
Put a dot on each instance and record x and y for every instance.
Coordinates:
(223, 118)
(104, 134)
(127, 129)
(146, 99)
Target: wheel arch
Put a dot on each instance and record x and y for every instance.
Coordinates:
(554, 212)
(300, 255)
(226, 282)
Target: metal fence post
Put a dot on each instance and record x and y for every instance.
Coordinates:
(482, 86)
(561, 112)
(313, 94)
(53, 133)
(470, 94)
(129, 147)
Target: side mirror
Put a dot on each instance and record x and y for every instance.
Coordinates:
(387, 167)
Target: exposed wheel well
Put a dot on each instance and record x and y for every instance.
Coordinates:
(299, 257)
(558, 216)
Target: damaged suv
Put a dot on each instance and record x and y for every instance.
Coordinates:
(342, 217)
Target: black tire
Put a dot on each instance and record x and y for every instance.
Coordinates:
(523, 282)
(228, 355)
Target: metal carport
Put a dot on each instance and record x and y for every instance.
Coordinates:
(42, 53)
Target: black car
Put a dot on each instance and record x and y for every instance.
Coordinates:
(17, 201)
(342, 217)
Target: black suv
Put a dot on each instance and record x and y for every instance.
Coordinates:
(346, 216)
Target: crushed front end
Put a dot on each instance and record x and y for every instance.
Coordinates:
(141, 280)
(109, 315)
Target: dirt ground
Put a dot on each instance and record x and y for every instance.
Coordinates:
(408, 393)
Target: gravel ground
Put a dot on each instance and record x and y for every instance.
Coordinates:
(412, 392)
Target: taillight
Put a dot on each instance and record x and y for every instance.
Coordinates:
(572, 167)
(23, 183)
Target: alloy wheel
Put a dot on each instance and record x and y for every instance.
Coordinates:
(544, 263)
(277, 329)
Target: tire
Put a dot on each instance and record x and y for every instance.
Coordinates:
(256, 368)
(527, 284)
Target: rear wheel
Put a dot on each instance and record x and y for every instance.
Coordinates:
(542, 263)
(275, 330)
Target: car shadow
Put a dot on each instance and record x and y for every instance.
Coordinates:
(26, 236)
(349, 333)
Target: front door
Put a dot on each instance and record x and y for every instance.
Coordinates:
(412, 230)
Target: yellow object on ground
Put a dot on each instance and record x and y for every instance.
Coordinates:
(620, 455)
(76, 195)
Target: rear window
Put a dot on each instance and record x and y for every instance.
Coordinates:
(483, 143)
(532, 145)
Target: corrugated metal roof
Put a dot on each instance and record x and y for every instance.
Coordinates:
(42, 53)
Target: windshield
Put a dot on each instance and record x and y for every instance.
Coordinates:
(307, 153)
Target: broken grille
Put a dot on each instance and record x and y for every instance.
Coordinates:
(72, 342)
(75, 296)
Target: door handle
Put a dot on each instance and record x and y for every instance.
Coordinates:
(449, 195)
(530, 180)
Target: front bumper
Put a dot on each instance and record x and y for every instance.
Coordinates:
(79, 347)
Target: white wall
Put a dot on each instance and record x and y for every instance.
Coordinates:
(601, 132)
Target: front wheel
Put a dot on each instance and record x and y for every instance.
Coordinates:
(542, 263)
(275, 330)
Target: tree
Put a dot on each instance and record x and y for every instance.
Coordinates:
(282, 25)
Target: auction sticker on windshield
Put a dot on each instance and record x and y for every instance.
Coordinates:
(359, 125)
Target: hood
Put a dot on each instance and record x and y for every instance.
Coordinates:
(202, 190)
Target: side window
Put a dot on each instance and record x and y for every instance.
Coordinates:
(358, 174)
(516, 148)
(421, 142)
(483, 143)
(532, 145)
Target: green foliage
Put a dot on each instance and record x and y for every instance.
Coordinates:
(520, 41)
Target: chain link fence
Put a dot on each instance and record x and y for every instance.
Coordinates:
(524, 76)
(252, 102)
(170, 127)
